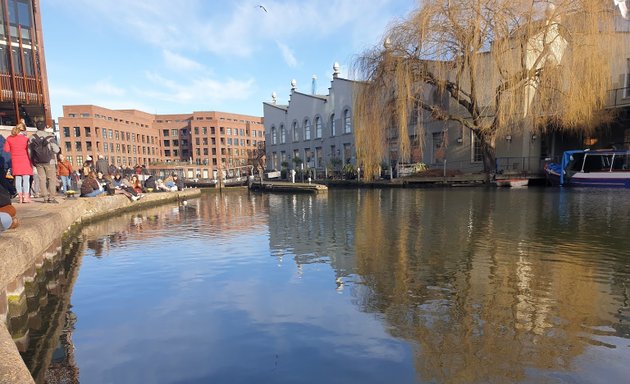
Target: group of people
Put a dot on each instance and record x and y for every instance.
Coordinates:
(38, 168)
(34, 155)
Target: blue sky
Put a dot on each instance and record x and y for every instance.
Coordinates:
(165, 56)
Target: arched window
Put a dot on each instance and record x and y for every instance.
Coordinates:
(333, 125)
(347, 123)
(283, 134)
(296, 135)
(273, 134)
(318, 127)
(307, 129)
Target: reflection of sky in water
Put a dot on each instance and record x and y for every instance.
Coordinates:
(204, 306)
(398, 286)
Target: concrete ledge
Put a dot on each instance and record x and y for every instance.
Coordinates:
(40, 226)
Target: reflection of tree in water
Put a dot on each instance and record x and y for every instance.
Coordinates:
(458, 273)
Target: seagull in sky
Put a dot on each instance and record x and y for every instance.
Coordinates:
(262, 7)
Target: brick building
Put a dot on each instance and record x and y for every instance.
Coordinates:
(209, 140)
(23, 79)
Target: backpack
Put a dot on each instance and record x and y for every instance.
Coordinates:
(40, 150)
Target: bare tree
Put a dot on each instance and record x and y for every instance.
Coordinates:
(491, 66)
(256, 157)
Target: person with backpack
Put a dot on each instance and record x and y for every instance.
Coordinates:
(44, 149)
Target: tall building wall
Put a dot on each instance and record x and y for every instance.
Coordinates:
(23, 79)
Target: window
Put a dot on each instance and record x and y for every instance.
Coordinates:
(117, 148)
(229, 131)
(88, 131)
(347, 122)
(319, 157)
(77, 131)
(296, 135)
(165, 132)
(273, 135)
(66, 131)
(333, 126)
(167, 143)
(283, 134)
(475, 148)
(111, 134)
(196, 130)
(204, 131)
(347, 153)
(626, 91)
(117, 135)
(318, 127)
(68, 146)
(79, 161)
(174, 132)
(105, 147)
(307, 129)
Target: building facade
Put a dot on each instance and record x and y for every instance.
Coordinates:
(316, 129)
(23, 79)
(215, 141)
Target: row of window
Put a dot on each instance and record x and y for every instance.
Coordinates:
(111, 134)
(110, 147)
(228, 131)
(108, 118)
(312, 159)
(118, 160)
(224, 151)
(308, 131)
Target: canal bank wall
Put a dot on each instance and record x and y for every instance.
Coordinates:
(24, 250)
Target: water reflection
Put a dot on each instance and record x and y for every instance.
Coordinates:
(469, 286)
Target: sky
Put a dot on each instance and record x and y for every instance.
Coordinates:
(166, 56)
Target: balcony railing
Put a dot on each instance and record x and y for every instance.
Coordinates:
(619, 97)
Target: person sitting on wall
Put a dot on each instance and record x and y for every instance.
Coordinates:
(105, 182)
(160, 187)
(149, 183)
(90, 186)
(8, 219)
(170, 182)
(136, 184)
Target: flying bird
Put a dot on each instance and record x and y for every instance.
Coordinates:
(262, 7)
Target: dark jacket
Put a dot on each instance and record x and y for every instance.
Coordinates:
(89, 185)
(102, 166)
(5, 197)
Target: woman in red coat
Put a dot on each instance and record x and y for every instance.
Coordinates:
(21, 167)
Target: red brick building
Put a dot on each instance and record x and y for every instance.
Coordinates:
(211, 141)
(23, 79)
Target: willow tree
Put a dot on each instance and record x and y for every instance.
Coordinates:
(496, 66)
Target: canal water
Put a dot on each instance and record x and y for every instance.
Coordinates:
(353, 286)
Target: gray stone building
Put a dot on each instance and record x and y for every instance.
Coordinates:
(317, 129)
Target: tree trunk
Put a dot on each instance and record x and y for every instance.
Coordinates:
(489, 157)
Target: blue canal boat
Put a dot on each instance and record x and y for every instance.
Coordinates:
(591, 168)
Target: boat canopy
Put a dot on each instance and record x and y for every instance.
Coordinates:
(566, 158)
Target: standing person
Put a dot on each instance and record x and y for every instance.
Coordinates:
(88, 166)
(21, 167)
(64, 171)
(101, 165)
(44, 149)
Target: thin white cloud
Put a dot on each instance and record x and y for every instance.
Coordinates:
(105, 87)
(237, 28)
(287, 54)
(178, 62)
(200, 90)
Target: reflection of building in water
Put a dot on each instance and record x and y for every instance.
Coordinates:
(314, 229)
(63, 368)
(473, 285)
(48, 296)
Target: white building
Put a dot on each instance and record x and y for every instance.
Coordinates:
(315, 128)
